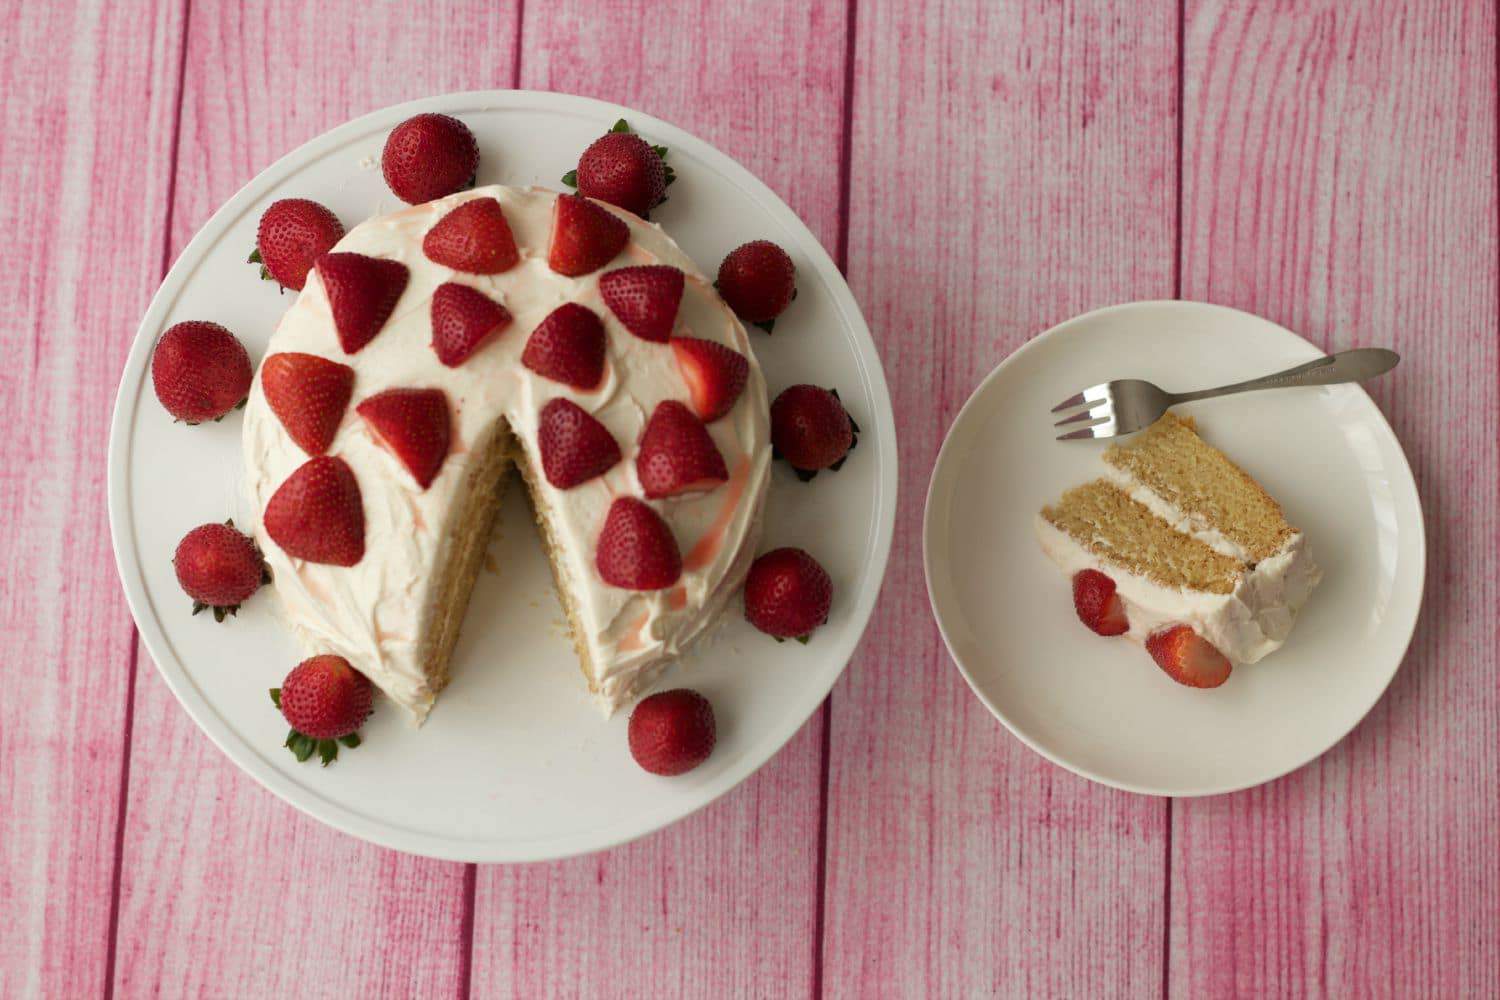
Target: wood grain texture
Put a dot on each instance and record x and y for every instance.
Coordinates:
(225, 890)
(1011, 167)
(88, 94)
(1339, 178)
(725, 903)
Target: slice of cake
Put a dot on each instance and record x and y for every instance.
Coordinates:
(1183, 538)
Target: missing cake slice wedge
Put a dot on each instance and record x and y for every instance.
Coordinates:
(1186, 538)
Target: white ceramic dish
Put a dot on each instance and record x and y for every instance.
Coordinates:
(1101, 707)
(515, 762)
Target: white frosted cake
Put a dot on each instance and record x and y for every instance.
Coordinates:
(393, 604)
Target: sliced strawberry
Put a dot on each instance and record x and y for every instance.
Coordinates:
(463, 318)
(308, 394)
(362, 293)
(644, 299)
(787, 593)
(575, 446)
(568, 347)
(317, 514)
(671, 732)
(758, 281)
(585, 237)
(677, 455)
(636, 549)
(1187, 657)
(1097, 604)
(429, 156)
(474, 237)
(414, 425)
(293, 233)
(200, 371)
(715, 375)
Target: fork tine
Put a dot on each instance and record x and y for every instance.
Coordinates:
(1103, 430)
(1092, 394)
(1096, 414)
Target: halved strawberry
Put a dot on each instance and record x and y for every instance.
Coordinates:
(1187, 657)
(1097, 604)
(317, 514)
(474, 237)
(585, 237)
(568, 347)
(636, 549)
(429, 156)
(715, 375)
(415, 425)
(575, 446)
(362, 293)
(677, 455)
(644, 299)
(308, 394)
(293, 233)
(463, 318)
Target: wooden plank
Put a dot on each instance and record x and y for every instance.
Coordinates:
(88, 95)
(725, 903)
(1339, 178)
(225, 890)
(1012, 166)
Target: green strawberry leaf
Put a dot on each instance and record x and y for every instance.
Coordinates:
(621, 126)
(803, 638)
(254, 257)
(328, 751)
(570, 178)
(276, 698)
(350, 740)
(768, 326)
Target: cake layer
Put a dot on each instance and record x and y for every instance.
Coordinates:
(392, 612)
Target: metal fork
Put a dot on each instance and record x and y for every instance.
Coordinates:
(1125, 406)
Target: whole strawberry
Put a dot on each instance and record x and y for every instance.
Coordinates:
(811, 429)
(623, 169)
(672, 732)
(200, 371)
(219, 568)
(292, 234)
(324, 700)
(787, 594)
(758, 281)
(429, 156)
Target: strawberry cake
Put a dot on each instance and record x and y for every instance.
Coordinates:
(438, 348)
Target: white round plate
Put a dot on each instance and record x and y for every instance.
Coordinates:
(1101, 707)
(516, 762)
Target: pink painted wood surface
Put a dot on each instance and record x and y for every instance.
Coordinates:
(1028, 175)
(227, 891)
(88, 96)
(725, 903)
(1339, 174)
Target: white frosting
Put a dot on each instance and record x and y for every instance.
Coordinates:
(1245, 625)
(374, 612)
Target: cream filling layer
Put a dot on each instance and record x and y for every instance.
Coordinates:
(377, 612)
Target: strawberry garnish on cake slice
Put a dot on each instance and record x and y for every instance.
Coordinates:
(1097, 604)
(1187, 657)
(293, 233)
(575, 446)
(676, 454)
(568, 347)
(715, 375)
(463, 318)
(636, 549)
(308, 394)
(200, 371)
(317, 514)
(671, 732)
(219, 567)
(585, 237)
(474, 238)
(414, 425)
(644, 299)
(324, 700)
(362, 293)
(758, 281)
(429, 156)
(787, 594)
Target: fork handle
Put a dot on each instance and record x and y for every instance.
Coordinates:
(1346, 366)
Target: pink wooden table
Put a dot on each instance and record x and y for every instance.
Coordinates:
(982, 170)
